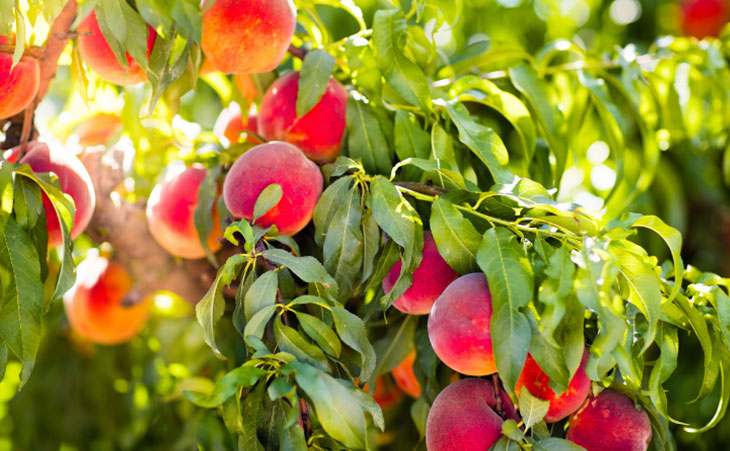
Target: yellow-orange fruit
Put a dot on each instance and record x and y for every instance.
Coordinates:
(98, 129)
(19, 84)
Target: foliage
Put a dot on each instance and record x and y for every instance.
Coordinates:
(485, 144)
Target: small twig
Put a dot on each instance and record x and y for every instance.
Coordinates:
(498, 407)
(33, 52)
(298, 52)
(422, 188)
(304, 418)
(25, 132)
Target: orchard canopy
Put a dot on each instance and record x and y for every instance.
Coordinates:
(444, 225)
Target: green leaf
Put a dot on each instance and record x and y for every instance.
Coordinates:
(352, 331)
(395, 346)
(292, 439)
(393, 212)
(549, 358)
(21, 305)
(309, 269)
(343, 243)
(187, 14)
(673, 238)
(403, 75)
(548, 115)
(251, 406)
(559, 284)
(337, 409)
(327, 205)
(509, 275)
(268, 199)
(532, 409)
(456, 238)
(410, 141)
(241, 377)
(483, 142)
(511, 430)
(290, 341)
(369, 405)
(664, 366)
(321, 333)
(210, 309)
(699, 327)
(245, 229)
(365, 138)
(557, 444)
(202, 218)
(256, 326)
(313, 79)
(644, 289)
(261, 294)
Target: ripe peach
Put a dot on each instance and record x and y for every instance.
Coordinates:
(561, 406)
(387, 394)
(274, 162)
(97, 304)
(247, 37)
(98, 129)
(404, 376)
(610, 422)
(75, 181)
(235, 126)
(19, 85)
(702, 18)
(430, 279)
(458, 326)
(466, 416)
(319, 132)
(97, 54)
(171, 211)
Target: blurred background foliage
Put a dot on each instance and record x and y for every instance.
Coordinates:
(129, 397)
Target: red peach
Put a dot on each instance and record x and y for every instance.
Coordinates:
(459, 329)
(75, 181)
(404, 376)
(97, 54)
(702, 18)
(319, 132)
(466, 416)
(281, 163)
(537, 382)
(235, 126)
(171, 211)
(95, 306)
(430, 279)
(610, 422)
(19, 84)
(247, 37)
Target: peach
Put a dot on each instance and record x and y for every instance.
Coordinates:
(467, 416)
(281, 163)
(458, 326)
(536, 381)
(99, 129)
(610, 422)
(702, 18)
(319, 132)
(97, 54)
(235, 126)
(75, 181)
(19, 84)
(430, 279)
(246, 86)
(404, 376)
(97, 306)
(171, 211)
(247, 37)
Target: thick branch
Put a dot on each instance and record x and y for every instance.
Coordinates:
(422, 188)
(33, 52)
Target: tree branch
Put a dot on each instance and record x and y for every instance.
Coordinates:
(423, 188)
(58, 37)
(298, 52)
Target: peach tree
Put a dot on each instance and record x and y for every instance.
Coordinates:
(395, 225)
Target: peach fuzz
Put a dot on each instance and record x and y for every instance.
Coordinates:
(702, 18)
(459, 329)
(281, 163)
(464, 416)
(430, 279)
(536, 381)
(97, 54)
(96, 305)
(19, 84)
(610, 422)
(74, 179)
(99, 129)
(247, 37)
(319, 132)
(171, 211)
(404, 376)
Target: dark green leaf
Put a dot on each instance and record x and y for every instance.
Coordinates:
(532, 409)
(352, 331)
(456, 238)
(366, 140)
(313, 78)
(261, 294)
(327, 205)
(268, 199)
(203, 219)
(343, 243)
(321, 333)
(290, 341)
(241, 377)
